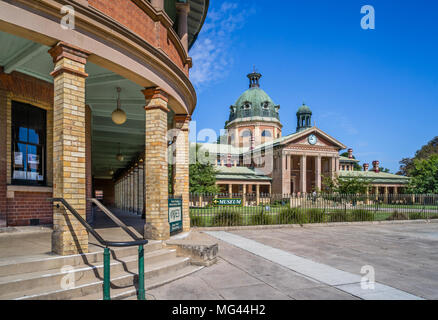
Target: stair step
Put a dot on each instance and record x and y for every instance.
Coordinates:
(119, 280)
(57, 262)
(131, 292)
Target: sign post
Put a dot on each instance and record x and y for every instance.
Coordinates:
(228, 202)
(175, 215)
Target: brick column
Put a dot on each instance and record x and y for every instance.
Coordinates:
(141, 188)
(257, 194)
(156, 165)
(88, 165)
(244, 195)
(285, 163)
(303, 174)
(69, 148)
(135, 193)
(3, 159)
(230, 190)
(131, 191)
(181, 165)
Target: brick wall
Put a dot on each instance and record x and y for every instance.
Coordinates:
(131, 16)
(107, 186)
(29, 205)
(20, 207)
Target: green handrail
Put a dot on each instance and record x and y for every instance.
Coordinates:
(106, 252)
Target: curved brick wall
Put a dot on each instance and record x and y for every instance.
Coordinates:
(134, 18)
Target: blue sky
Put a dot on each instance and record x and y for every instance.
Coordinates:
(374, 90)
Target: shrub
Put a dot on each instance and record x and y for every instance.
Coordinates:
(316, 216)
(398, 216)
(362, 215)
(416, 216)
(197, 221)
(292, 216)
(261, 218)
(227, 218)
(339, 216)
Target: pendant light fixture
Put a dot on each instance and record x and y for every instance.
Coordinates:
(120, 156)
(118, 116)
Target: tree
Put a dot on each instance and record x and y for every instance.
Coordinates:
(356, 165)
(383, 169)
(424, 175)
(345, 185)
(407, 164)
(202, 173)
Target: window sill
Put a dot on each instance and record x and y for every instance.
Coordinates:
(12, 189)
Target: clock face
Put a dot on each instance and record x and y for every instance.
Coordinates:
(313, 139)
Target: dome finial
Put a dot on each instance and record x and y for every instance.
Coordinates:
(254, 78)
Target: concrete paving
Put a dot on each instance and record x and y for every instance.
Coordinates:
(404, 258)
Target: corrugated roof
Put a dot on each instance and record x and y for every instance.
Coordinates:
(376, 178)
(240, 173)
(346, 159)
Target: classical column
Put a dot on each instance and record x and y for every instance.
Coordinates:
(181, 165)
(183, 10)
(386, 194)
(318, 184)
(230, 190)
(377, 192)
(69, 148)
(333, 167)
(156, 165)
(257, 194)
(303, 174)
(244, 195)
(285, 161)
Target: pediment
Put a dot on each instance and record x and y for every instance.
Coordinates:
(323, 140)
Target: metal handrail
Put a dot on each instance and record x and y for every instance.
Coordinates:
(90, 229)
(116, 220)
(106, 253)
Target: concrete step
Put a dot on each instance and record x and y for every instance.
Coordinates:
(130, 293)
(90, 272)
(57, 262)
(120, 279)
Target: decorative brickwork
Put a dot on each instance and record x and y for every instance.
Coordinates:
(69, 236)
(181, 167)
(156, 165)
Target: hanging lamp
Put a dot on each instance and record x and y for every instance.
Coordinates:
(120, 156)
(118, 116)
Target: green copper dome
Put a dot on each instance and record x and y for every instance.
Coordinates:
(304, 109)
(254, 103)
(304, 118)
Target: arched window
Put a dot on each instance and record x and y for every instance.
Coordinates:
(246, 134)
(266, 133)
(265, 105)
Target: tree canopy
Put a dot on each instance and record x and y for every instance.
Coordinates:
(407, 164)
(424, 173)
(202, 173)
(345, 185)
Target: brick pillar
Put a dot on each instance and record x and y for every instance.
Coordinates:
(3, 159)
(156, 165)
(69, 148)
(141, 188)
(257, 194)
(181, 165)
(244, 195)
(285, 163)
(230, 190)
(89, 178)
(135, 193)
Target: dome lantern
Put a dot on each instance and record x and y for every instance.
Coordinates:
(304, 118)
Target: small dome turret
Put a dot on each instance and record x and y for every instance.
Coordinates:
(304, 118)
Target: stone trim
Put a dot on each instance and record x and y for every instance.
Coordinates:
(65, 50)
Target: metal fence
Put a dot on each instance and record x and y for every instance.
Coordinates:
(271, 209)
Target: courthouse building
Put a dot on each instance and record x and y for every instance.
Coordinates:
(256, 158)
(85, 109)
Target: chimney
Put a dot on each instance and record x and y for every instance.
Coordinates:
(229, 161)
(350, 153)
(366, 166)
(376, 168)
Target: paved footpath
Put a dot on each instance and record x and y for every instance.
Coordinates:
(317, 263)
